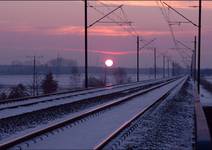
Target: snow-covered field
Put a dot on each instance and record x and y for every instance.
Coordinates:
(96, 128)
(64, 80)
(208, 78)
(205, 97)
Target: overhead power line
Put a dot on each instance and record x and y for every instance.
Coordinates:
(98, 20)
(121, 21)
(165, 14)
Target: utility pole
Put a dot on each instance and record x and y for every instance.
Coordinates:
(155, 67)
(105, 77)
(199, 38)
(191, 69)
(58, 63)
(163, 66)
(173, 69)
(168, 66)
(138, 59)
(199, 44)
(195, 58)
(34, 74)
(86, 26)
(35, 86)
(145, 45)
(86, 44)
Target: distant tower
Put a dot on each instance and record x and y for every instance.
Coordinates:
(58, 65)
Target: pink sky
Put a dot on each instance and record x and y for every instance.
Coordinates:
(46, 28)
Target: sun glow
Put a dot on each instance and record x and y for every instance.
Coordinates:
(109, 63)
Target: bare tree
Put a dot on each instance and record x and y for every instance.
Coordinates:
(49, 85)
(3, 96)
(18, 92)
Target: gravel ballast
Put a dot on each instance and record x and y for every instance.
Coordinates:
(169, 126)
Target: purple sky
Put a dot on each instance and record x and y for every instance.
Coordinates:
(49, 28)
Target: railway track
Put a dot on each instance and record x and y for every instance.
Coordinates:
(22, 107)
(96, 126)
(129, 126)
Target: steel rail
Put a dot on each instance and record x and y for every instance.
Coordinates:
(72, 92)
(69, 96)
(135, 117)
(40, 132)
(66, 92)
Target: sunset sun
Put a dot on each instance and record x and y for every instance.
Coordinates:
(109, 63)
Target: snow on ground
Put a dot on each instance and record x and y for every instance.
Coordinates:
(208, 78)
(34, 104)
(169, 126)
(92, 130)
(18, 125)
(64, 80)
(56, 100)
(28, 121)
(205, 97)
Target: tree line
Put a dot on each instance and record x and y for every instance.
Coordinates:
(48, 85)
